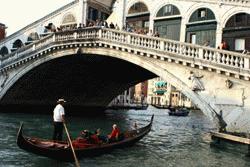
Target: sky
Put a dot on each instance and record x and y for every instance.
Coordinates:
(16, 14)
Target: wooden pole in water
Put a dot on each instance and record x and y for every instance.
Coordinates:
(73, 151)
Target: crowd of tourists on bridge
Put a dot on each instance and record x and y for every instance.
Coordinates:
(100, 23)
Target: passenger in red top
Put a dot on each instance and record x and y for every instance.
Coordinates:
(114, 134)
(94, 139)
(82, 141)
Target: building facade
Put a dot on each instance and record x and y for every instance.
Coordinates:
(124, 99)
(134, 95)
(141, 92)
(162, 93)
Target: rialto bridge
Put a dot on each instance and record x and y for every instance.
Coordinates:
(90, 66)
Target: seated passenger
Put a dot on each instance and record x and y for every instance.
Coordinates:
(82, 141)
(94, 139)
(114, 136)
(102, 138)
(85, 134)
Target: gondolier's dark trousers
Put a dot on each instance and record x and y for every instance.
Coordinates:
(58, 131)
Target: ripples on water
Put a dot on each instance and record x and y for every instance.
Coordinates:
(172, 142)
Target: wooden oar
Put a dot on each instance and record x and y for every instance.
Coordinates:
(76, 160)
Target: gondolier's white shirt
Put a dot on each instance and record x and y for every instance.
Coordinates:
(58, 112)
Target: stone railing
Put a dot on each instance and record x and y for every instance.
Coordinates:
(240, 3)
(233, 60)
(195, 55)
(25, 51)
(236, 1)
(225, 2)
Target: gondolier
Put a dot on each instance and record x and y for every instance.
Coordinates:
(59, 119)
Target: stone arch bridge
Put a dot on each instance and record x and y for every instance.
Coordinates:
(89, 67)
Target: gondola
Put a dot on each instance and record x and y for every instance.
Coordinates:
(60, 150)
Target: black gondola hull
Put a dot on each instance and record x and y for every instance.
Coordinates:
(65, 154)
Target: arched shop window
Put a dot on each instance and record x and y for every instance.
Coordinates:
(33, 36)
(4, 51)
(201, 15)
(168, 10)
(236, 32)
(138, 17)
(138, 7)
(69, 19)
(239, 19)
(168, 27)
(68, 22)
(17, 44)
(201, 28)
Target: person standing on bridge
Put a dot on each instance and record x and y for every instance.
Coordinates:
(59, 119)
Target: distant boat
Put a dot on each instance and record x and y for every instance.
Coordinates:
(59, 150)
(160, 106)
(130, 106)
(178, 111)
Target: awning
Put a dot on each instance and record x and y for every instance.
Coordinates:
(160, 83)
(160, 91)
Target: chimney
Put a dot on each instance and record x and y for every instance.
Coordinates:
(2, 31)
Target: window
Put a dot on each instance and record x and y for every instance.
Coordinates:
(239, 17)
(239, 44)
(138, 8)
(69, 19)
(202, 13)
(168, 10)
(193, 38)
(146, 24)
(4, 51)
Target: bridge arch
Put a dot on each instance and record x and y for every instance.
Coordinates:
(147, 64)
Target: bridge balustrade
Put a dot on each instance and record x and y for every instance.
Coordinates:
(204, 56)
(236, 1)
(226, 2)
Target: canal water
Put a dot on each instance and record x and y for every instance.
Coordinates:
(172, 142)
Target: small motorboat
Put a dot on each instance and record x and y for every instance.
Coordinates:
(178, 112)
(160, 106)
(60, 150)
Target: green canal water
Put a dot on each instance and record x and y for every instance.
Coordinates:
(172, 142)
